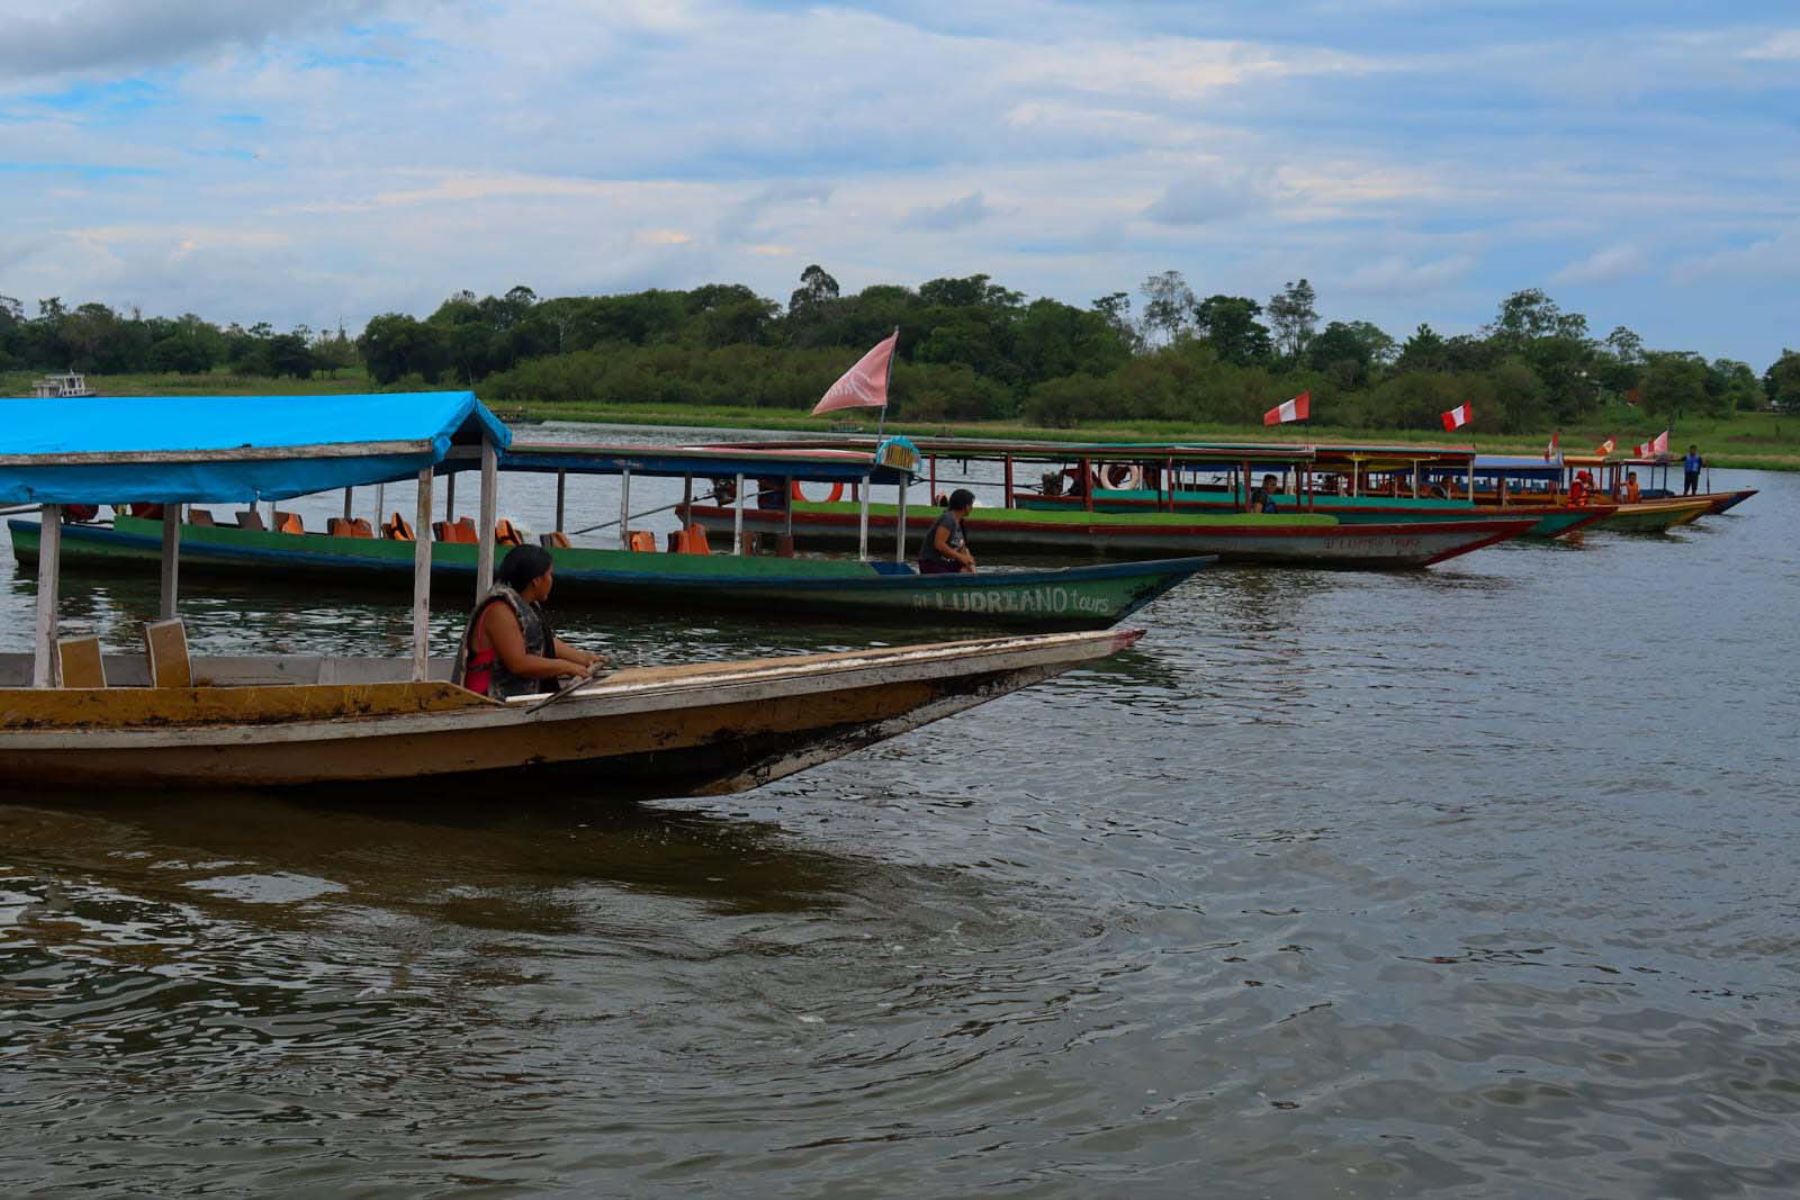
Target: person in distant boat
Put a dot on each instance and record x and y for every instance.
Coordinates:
(1262, 499)
(1690, 471)
(946, 550)
(1633, 493)
(509, 648)
(1579, 488)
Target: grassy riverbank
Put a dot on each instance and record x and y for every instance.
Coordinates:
(1751, 441)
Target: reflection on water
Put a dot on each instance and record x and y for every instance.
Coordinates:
(1468, 883)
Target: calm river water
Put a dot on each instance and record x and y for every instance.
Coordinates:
(1475, 882)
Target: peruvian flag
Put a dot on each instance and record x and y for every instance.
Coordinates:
(1656, 445)
(1554, 446)
(1297, 409)
(1459, 416)
(1607, 447)
(866, 384)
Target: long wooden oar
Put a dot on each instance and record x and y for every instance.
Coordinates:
(567, 689)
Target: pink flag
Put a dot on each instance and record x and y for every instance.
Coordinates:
(1656, 445)
(866, 384)
(1297, 409)
(1459, 416)
(1553, 447)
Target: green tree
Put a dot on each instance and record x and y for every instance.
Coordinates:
(1425, 350)
(1168, 307)
(1781, 382)
(1229, 324)
(1674, 384)
(1293, 315)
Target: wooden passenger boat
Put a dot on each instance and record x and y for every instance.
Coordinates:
(667, 731)
(72, 717)
(1534, 481)
(778, 589)
(1309, 539)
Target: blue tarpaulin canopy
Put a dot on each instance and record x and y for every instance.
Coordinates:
(181, 449)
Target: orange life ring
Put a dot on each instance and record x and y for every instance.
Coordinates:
(837, 493)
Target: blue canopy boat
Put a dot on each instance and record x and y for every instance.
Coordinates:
(73, 716)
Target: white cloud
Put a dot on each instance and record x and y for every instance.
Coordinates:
(1776, 257)
(961, 213)
(1216, 193)
(1395, 273)
(87, 35)
(1782, 46)
(1609, 265)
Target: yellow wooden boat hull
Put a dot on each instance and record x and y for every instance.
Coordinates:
(689, 730)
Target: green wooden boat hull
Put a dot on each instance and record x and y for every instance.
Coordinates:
(1306, 538)
(1069, 598)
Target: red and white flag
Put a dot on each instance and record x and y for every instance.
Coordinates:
(1459, 416)
(1555, 445)
(1607, 447)
(1656, 445)
(866, 384)
(1297, 409)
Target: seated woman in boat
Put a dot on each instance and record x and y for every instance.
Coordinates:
(946, 550)
(509, 648)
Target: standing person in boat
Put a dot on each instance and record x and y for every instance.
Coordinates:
(946, 550)
(1690, 471)
(509, 648)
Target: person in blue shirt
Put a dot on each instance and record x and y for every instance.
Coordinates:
(1262, 499)
(1690, 471)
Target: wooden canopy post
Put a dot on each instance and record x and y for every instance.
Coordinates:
(484, 550)
(49, 573)
(1471, 480)
(787, 506)
(933, 488)
(624, 506)
(1087, 484)
(347, 500)
(562, 492)
(1008, 503)
(421, 663)
(380, 503)
(862, 525)
(171, 560)
(900, 522)
(737, 517)
(449, 500)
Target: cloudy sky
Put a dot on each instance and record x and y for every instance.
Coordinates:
(318, 161)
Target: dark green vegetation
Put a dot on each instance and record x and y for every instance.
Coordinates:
(970, 351)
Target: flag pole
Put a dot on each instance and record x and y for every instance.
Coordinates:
(888, 386)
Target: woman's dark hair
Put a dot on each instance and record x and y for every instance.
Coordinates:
(523, 564)
(961, 498)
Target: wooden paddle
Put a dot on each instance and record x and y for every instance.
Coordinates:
(580, 681)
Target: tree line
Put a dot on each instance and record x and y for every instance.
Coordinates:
(970, 349)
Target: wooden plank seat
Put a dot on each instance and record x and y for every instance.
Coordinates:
(166, 646)
(79, 664)
(251, 519)
(352, 527)
(202, 517)
(287, 522)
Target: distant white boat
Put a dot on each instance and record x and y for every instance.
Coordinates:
(62, 387)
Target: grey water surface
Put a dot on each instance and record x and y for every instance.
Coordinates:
(1473, 882)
